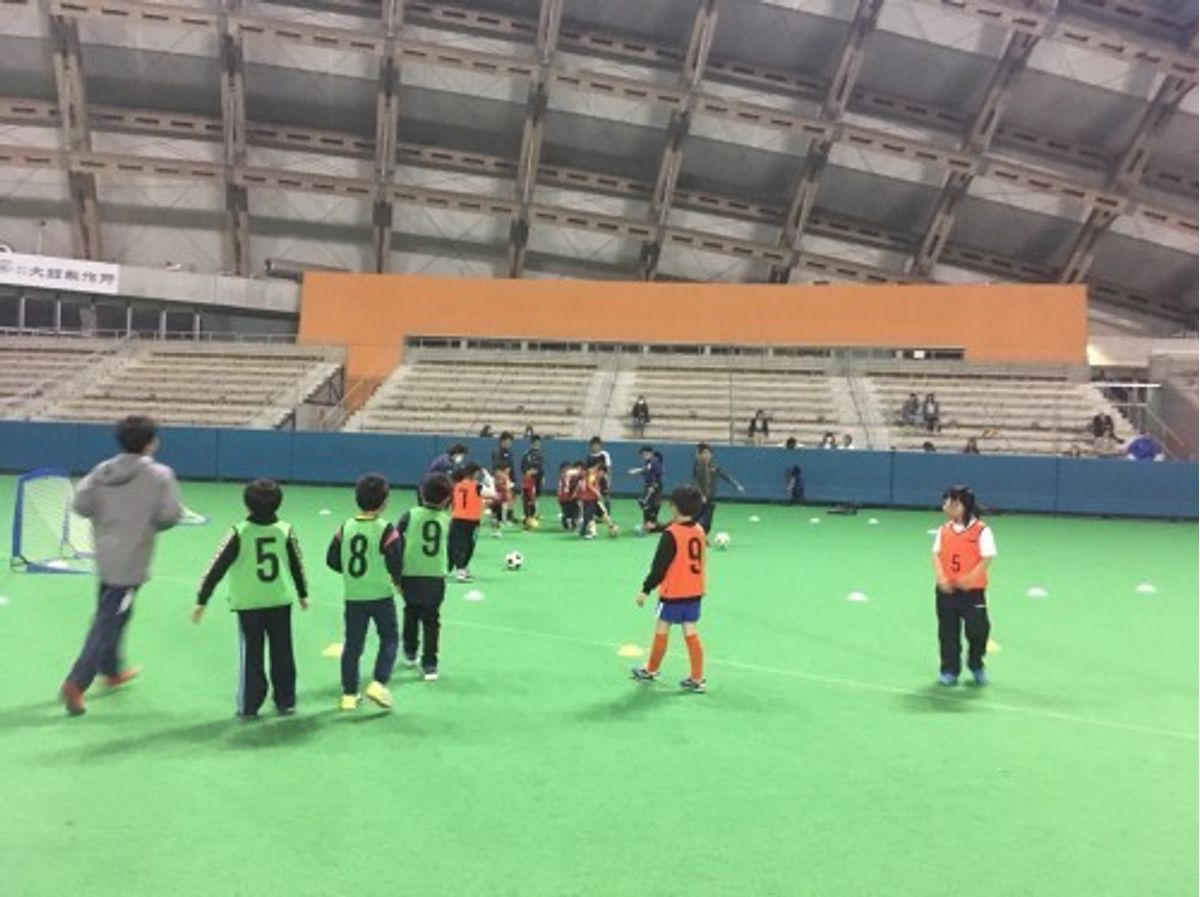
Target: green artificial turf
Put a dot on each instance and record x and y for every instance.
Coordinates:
(823, 761)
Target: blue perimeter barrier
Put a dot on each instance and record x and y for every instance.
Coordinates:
(879, 479)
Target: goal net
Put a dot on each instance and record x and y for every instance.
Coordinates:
(47, 536)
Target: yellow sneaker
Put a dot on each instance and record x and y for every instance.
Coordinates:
(379, 693)
(349, 702)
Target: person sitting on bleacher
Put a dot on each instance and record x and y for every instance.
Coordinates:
(1144, 447)
(640, 415)
(759, 430)
(931, 411)
(910, 414)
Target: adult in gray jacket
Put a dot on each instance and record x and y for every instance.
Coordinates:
(129, 499)
(706, 473)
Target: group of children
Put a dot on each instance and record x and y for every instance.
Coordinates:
(375, 558)
(130, 497)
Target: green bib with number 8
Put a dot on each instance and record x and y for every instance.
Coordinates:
(259, 577)
(364, 568)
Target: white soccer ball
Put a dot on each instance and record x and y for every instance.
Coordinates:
(721, 540)
(513, 560)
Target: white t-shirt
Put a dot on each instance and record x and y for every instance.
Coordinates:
(987, 542)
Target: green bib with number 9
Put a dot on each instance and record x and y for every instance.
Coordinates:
(259, 577)
(364, 568)
(425, 551)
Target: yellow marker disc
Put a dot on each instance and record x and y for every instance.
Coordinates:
(334, 650)
(630, 651)
(993, 646)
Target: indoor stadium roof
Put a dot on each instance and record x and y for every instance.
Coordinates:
(744, 140)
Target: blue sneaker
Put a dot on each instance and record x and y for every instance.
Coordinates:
(947, 679)
(981, 676)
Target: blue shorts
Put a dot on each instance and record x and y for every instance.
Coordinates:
(684, 611)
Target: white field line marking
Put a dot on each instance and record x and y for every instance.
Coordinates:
(851, 683)
(824, 680)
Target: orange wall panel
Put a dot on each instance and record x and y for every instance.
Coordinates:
(372, 315)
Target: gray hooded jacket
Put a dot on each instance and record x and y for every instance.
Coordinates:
(129, 499)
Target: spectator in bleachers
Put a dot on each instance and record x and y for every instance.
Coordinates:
(486, 432)
(931, 413)
(759, 430)
(1106, 445)
(1144, 447)
(1101, 423)
(928, 446)
(529, 431)
(640, 416)
(829, 441)
(847, 443)
(910, 414)
(971, 448)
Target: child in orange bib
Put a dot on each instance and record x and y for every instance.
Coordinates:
(962, 551)
(678, 572)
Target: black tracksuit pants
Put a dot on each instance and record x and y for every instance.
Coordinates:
(568, 512)
(423, 597)
(265, 628)
(460, 544)
(651, 502)
(959, 611)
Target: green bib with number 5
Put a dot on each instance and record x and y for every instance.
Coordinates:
(259, 577)
(364, 569)
(425, 551)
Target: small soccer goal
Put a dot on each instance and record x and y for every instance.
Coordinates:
(47, 535)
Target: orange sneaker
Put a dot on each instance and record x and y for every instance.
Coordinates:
(73, 698)
(122, 677)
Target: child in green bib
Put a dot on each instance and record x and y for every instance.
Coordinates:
(424, 535)
(254, 556)
(366, 551)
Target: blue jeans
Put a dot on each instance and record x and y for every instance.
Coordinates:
(359, 615)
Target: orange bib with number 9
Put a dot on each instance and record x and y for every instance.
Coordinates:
(685, 576)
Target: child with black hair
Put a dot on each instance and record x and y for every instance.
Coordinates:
(532, 480)
(129, 499)
(503, 459)
(678, 572)
(502, 500)
(424, 554)
(254, 555)
(569, 473)
(466, 513)
(593, 491)
(962, 552)
(650, 501)
(366, 551)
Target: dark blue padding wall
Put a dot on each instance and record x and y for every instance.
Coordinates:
(1006, 482)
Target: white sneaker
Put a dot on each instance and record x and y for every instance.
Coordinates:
(462, 576)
